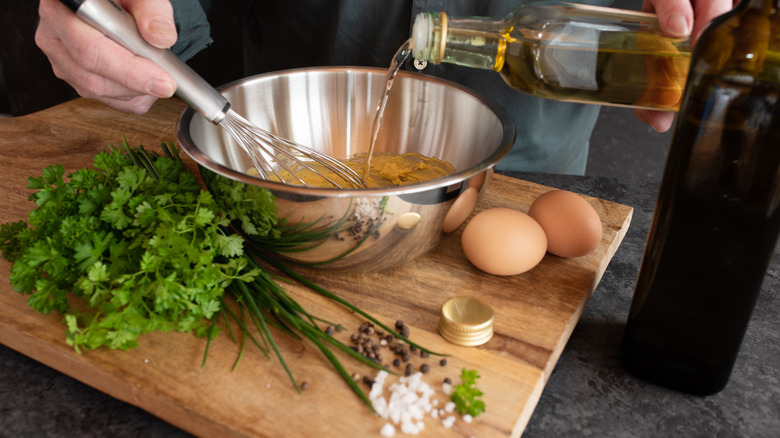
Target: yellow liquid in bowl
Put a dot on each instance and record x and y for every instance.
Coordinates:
(387, 170)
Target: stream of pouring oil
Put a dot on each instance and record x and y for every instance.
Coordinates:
(398, 60)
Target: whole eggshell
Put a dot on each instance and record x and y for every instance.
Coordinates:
(572, 226)
(503, 241)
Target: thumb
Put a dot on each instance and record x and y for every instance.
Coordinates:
(154, 19)
(675, 17)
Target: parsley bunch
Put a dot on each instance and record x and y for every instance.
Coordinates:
(136, 237)
(147, 249)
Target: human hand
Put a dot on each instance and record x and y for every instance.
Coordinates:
(679, 19)
(97, 67)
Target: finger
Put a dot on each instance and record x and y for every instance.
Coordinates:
(113, 94)
(154, 19)
(104, 58)
(661, 121)
(94, 64)
(136, 105)
(91, 85)
(674, 16)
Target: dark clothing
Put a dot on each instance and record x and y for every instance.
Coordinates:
(192, 27)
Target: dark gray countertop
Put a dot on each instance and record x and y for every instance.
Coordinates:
(588, 393)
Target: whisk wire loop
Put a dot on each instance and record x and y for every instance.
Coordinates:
(259, 144)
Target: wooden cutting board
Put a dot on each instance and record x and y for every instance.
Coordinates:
(535, 312)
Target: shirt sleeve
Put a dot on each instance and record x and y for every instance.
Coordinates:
(192, 26)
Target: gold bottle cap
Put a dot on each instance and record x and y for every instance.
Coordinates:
(466, 321)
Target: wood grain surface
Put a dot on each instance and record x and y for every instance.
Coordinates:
(535, 312)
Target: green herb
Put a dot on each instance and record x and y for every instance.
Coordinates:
(135, 237)
(466, 396)
(147, 249)
(253, 211)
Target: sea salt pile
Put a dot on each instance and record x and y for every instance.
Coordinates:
(409, 401)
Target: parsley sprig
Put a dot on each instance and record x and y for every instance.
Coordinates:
(466, 396)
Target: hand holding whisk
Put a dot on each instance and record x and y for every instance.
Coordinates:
(269, 153)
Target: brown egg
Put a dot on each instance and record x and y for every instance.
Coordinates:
(572, 226)
(503, 241)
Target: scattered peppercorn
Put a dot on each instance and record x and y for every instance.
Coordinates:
(370, 346)
(305, 386)
(402, 328)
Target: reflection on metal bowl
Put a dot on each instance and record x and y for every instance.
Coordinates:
(331, 109)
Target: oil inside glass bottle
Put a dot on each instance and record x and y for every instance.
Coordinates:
(565, 52)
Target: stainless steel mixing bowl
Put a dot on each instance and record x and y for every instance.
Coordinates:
(332, 109)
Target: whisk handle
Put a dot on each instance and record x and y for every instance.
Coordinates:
(117, 24)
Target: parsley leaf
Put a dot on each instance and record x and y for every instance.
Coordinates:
(466, 396)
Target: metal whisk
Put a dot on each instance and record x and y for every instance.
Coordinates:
(259, 144)
(270, 154)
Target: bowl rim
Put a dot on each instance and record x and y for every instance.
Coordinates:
(187, 144)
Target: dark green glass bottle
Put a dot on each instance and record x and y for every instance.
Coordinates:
(717, 218)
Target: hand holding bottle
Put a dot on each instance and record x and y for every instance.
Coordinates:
(676, 18)
(96, 67)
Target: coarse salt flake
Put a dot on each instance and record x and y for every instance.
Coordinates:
(409, 428)
(387, 430)
(448, 422)
(408, 402)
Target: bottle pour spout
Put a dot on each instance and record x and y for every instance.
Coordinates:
(423, 41)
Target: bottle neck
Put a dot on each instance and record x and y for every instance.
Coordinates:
(740, 44)
(471, 42)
